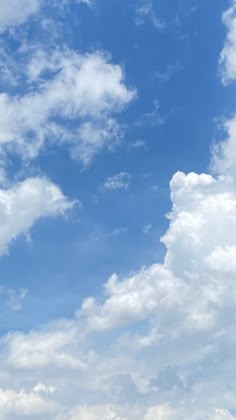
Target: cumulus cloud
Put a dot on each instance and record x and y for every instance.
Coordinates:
(83, 90)
(119, 181)
(25, 203)
(130, 300)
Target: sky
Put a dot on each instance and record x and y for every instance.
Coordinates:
(117, 209)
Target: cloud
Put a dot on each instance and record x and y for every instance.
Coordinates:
(165, 76)
(25, 203)
(12, 297)
(119, 181)
(154, 117)
(43, 349)
(146, 228)
(95, 413)
(73, 100)
(224, 153)
(16, 12)
(137, 145)
(227, 57)
(27, 404)
(130, 300)
(145, 12)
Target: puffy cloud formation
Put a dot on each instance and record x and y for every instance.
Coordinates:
(85, 90)
(25, 203)
(119, 181)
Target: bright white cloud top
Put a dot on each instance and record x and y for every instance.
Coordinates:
(157, 344)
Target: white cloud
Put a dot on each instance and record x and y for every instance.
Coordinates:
(131, 300)
(25, 203)
(138, 144)
(223, 259)
(44, 389)
(95, 413)
(227, 57)
(16, 12)
(119, 181)
(43, 349)
(13, 403)
(80, 91)
(160, 413)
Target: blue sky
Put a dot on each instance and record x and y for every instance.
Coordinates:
(102, 104)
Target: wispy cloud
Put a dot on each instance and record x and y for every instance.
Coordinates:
(120, 181)
(227, 57)
(165, 76)
(145, 12)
